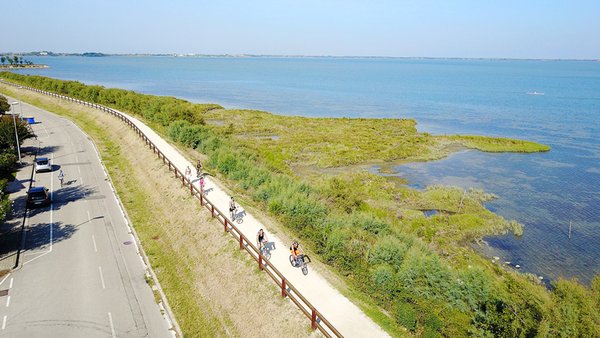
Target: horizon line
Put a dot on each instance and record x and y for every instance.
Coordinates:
(234, 55)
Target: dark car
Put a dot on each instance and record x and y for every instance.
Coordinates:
(42, 164)
(38, 197)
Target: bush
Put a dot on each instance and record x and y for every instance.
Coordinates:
(406, 315)
(388, 250)
(384, 281)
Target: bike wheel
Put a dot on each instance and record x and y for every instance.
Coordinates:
(305, 269)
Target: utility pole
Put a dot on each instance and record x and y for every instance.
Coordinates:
(16, 133)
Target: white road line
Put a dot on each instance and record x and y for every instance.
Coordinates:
(46, 131)
(10, 285)
(101, 277)
(94, 241)
(112, 327)
(51, 218)
(88, 214)
(4, 323)
(7, 301)
(2, 281)
(51, 205)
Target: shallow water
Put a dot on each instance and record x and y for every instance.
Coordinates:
(543, 191)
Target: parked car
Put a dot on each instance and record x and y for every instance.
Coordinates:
(38, 197)
(42, 164)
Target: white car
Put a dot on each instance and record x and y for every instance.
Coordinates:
(42, 164)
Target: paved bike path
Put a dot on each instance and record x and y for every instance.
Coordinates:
(342, 313)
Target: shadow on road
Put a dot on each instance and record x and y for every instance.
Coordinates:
(60, 198)
(71, 193)
(47, 150)
(38, 235)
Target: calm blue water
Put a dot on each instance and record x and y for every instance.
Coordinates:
(545, 191)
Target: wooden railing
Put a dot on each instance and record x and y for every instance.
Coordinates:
(317, 320)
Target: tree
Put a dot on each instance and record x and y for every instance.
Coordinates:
(3, 59)
(4, 105)
(7, 133)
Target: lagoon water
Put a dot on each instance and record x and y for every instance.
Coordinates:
(546, 192)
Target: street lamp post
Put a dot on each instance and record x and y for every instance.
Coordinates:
(16, 133)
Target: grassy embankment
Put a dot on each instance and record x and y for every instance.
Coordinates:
(369, 228)
(198, 267)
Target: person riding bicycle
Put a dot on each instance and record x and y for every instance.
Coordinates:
(232, 207)
(188, 172)
(198, 169)
(296, 252)
(202, 184)
(61, 176)
(261, 239)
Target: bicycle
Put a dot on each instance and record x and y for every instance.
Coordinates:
(301, 262)
(61, 178)
(265, 249)
(232, 213)
(235, 216)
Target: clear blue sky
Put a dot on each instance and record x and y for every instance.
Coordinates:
(443, 28)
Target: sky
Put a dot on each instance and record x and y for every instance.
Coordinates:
(417, 28)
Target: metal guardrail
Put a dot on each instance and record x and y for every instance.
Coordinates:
(317, 320)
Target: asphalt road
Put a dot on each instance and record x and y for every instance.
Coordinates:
(80, 274)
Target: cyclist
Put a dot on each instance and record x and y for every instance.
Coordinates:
(232, 208)
(261, 239)
(202, 184)
(198, 169)
(188, 172)
(61, 177)
(296, 252)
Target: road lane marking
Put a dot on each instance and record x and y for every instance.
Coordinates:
(10, 285)
(46, 131)
(4, 323)
(2, 281)
(51, 218)
(94, 241)
(112, 327)
(101, 277)
(7, 301)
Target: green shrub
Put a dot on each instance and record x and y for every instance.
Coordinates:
(370, 223)
(388, 250)
(384, 281)
(406, 315)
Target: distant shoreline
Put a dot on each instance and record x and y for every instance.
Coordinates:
(22, 66)
(241, 55)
